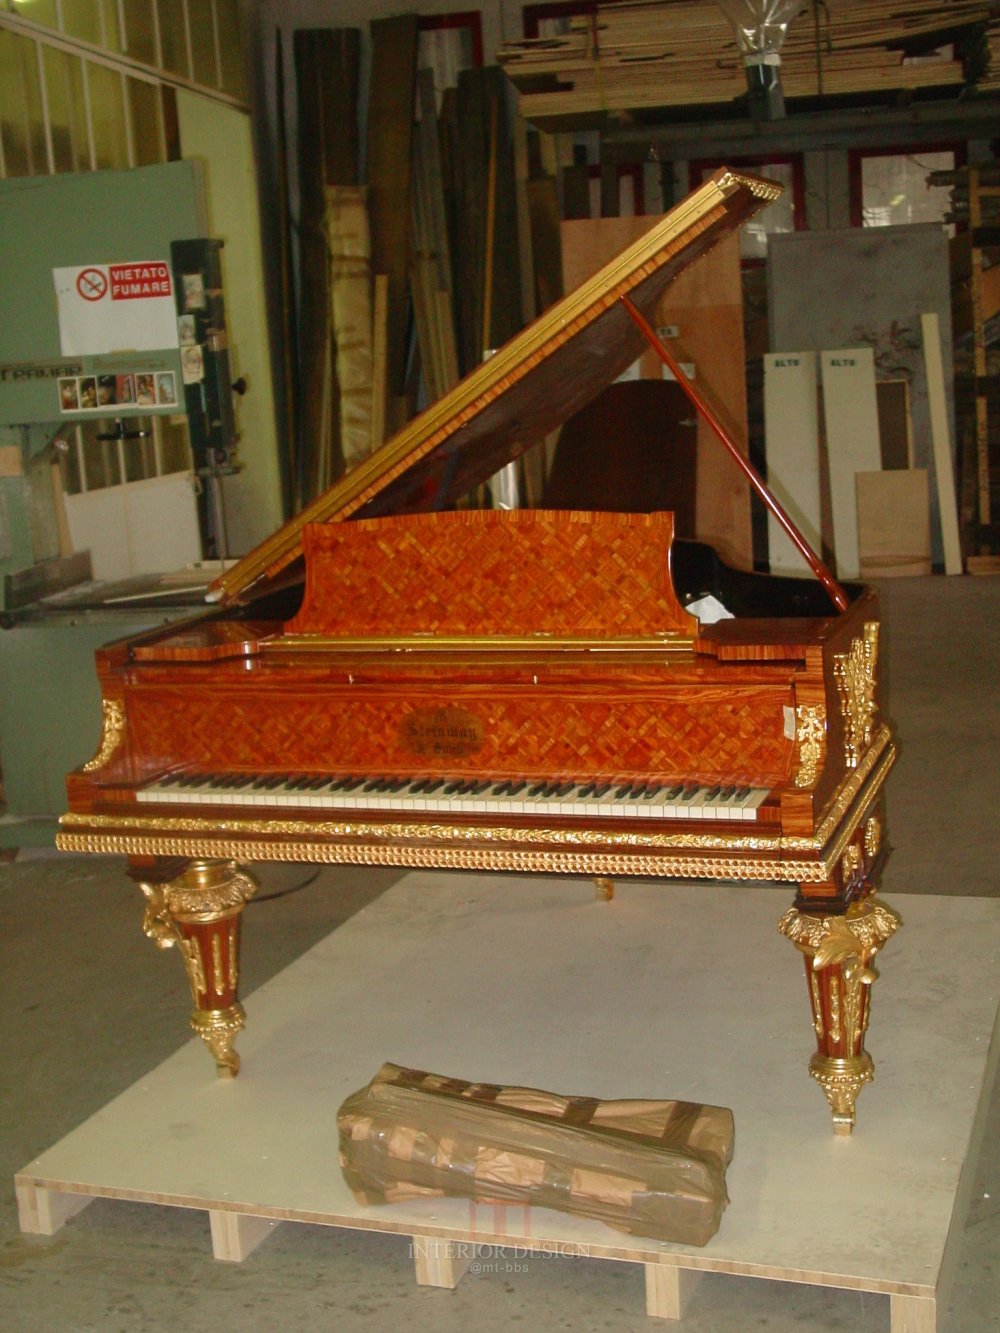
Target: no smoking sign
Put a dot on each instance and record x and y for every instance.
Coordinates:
(92, 283)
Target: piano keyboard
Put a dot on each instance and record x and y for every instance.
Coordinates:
(455, 796)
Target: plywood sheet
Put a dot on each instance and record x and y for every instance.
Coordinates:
(702, 316)
(791, 424)
(850, 417)
(894, 524)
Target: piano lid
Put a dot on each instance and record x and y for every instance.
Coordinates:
(534, 383)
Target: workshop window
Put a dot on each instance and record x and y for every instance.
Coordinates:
(107, 109)
(146, 119)
(173, 37)
(22, 123)
(140, 31)
(201, 26)
(889, 187)
(67, 109)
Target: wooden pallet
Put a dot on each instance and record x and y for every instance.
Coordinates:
(261, 1150)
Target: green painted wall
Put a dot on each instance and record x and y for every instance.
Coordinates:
(219, 138)
(97, 217)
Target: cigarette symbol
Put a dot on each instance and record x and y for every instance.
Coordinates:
(92, 283)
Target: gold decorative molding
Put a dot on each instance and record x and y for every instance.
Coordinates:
(873, 836)
(112, 730)
(854, 673)
(564, 851)
(811, 738)
(860, 933)
(850, 862)
(841, 1080)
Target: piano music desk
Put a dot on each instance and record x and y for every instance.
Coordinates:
(670, 990)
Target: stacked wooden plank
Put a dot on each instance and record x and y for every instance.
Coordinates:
(405, 272)
(989, 79)
(662, 53)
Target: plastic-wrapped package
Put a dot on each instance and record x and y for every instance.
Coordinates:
(761, 26)
(648, 1168)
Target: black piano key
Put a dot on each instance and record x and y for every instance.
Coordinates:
(675, 791)
(713, 792)
(601, 789)
(727, 793)
(432, 784)
(691, 791)
(584, 792)
(515, 787)
(376, 784)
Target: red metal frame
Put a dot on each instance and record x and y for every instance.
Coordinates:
(465, 18)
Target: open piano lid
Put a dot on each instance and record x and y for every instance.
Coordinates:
(533, 384)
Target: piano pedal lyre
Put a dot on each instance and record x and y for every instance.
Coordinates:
(199, 911)
(604, 887)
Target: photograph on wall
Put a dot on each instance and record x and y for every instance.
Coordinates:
(69, 394)
(145, 390)
(106, 394)
(124, 389)
(166, 392)
(186, 334)
(194, 291)
(88, 392)
(192, 365)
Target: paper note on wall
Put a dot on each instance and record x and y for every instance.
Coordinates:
(116, 307)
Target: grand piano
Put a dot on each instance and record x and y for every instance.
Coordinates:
(391, 680)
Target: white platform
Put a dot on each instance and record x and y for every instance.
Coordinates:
(668, 991)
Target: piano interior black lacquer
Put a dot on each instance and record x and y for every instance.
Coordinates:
(439, 687)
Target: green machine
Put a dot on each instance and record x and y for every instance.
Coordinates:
(101, 235)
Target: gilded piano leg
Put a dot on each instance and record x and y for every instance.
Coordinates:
(604, 887)
(839, 952)
(199, 912)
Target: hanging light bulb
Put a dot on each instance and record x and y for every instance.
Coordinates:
(760, 27)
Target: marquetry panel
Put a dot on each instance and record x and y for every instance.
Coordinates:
(709, 734)
(488, 572)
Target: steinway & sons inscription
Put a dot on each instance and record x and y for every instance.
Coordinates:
(443, 732)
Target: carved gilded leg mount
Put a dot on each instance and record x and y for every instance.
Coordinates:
(199, 912)
(839, 951)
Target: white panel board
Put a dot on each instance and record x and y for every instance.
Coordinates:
(941, 438)
(162, 521)
(791, 424)
(97, 524)
(850, 418)
(143, 527)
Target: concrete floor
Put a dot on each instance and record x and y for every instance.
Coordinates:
(88, 1007)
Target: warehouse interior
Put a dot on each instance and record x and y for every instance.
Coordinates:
(272, 260)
